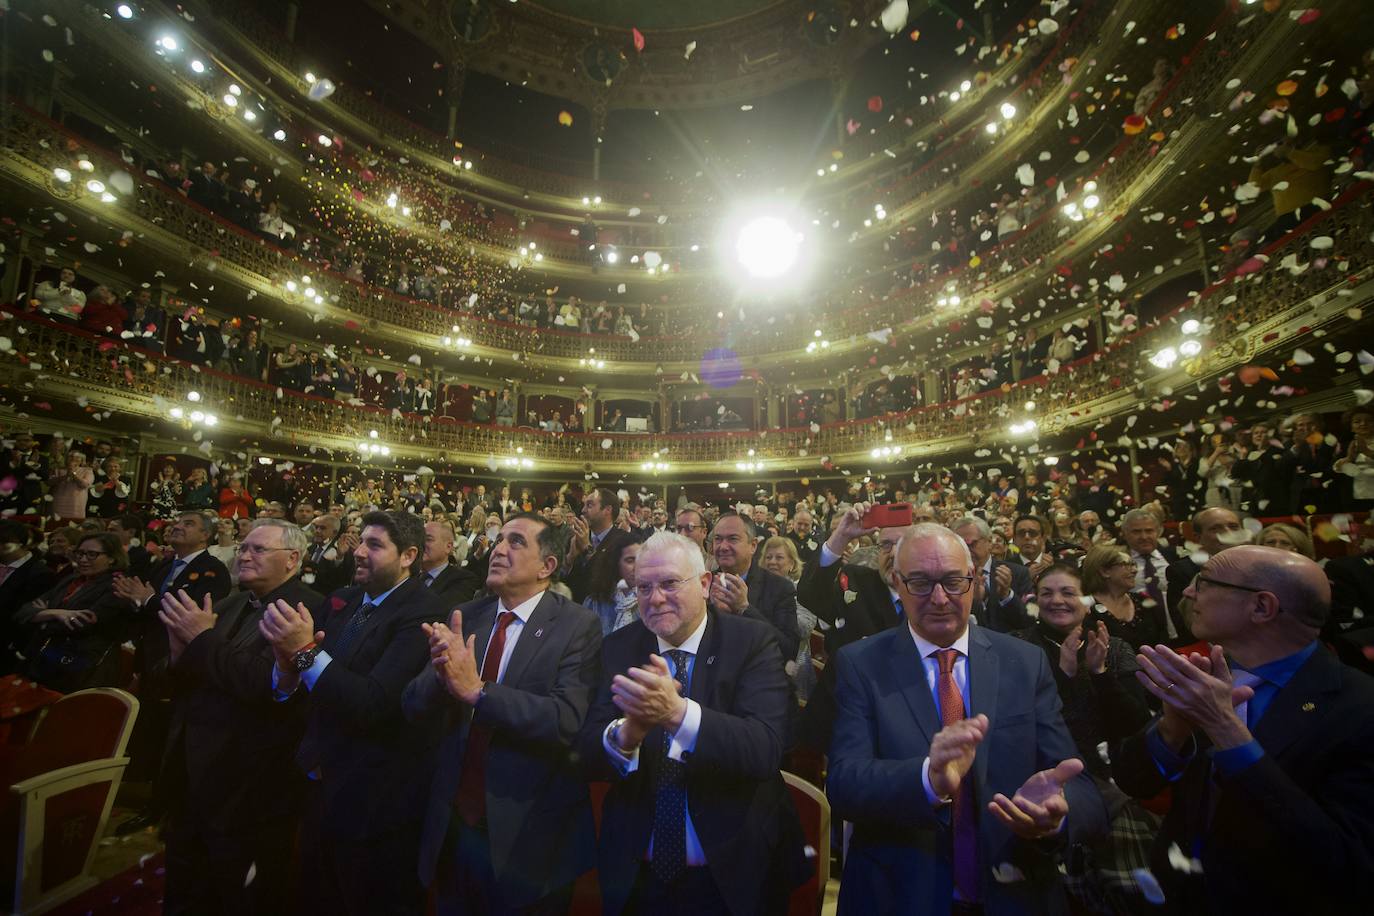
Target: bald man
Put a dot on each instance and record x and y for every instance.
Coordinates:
(1268, 744)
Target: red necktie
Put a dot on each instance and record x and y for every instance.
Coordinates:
(472, 778)
(965, 822)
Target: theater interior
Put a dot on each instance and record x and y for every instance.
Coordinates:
(293, 258)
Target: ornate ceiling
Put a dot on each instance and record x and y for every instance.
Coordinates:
(697, 55)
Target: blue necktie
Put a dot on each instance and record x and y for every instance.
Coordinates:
(177, 567)
(355, 623)
(670, 797)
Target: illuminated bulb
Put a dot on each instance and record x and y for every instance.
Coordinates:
(107, 198)
(197, 67)
(211, 419)
(85, 165)
(1192, 326)
(291, 285)
(325, 141)
(1091, 201)
(234, 89)
(954, 96)
(1190, 347)
(992, 127)
(62, 175)
(596, 199)
(820, 173)
(405, 211)
(468, 164)
(175, 413)
(95, 187)
(1090, 186)
(612, 257)
(1008, 110)
(965, 86)
(193, 396)
(834, 166)
(586, 200)
(168, 43)
(278, 134)
(230, 100)
(309, 77)
(197, 416)
(125, 11)
(249, 115)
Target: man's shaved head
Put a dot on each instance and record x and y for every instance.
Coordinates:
(1301, 586)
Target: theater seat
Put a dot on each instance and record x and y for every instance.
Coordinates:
(62, 785)
(814, 810)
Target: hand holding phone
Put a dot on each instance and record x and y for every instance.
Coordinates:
(894, 515)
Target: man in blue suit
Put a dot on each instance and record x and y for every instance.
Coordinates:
(950, 756)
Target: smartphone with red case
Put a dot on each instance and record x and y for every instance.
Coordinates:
(893, 515)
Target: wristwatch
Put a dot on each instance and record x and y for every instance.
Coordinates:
(305, 657)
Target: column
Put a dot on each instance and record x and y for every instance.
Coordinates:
(600, 109)
(457, 78)
(931, 386)
(1135, 474)
(292, 13)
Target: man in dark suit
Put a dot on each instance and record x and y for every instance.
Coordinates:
(1268, 744)
(1308, 468)
(367, 767)
(593, 533)
(751, 591)
(23, 574)
(962, 790)
(328, 564)
(855, 600)
(802, 534)
(1141, 531)
(1001, 589)
(29, 468)
(451, 582)
(128, 527)
(509, 824)
(689, 726)
(228, 774)
(191, 569)
(1352, 591)
(1216, 528)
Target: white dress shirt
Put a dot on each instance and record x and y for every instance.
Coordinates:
(522, 612)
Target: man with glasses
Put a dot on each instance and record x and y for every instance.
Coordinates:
(1000, 590)
(509, 823)
(961, 790)
(740, 587)
(1216, 528)
(1267, 743)
(688, 726)
(691, 524)
(228, 772)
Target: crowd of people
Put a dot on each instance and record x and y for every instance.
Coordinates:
(1093, 607)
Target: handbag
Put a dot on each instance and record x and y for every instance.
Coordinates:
(59, 663)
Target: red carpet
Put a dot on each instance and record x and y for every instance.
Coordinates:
(134, 892)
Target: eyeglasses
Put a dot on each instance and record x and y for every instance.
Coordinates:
(922, 587)
(687, 529)
(669, 587)
(1210, 581)
(256, 550)
(89, 554)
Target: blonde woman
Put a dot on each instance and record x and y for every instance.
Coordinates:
(780, 556)
(1287, 537)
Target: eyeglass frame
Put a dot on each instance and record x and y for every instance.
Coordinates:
(256, 550)
(88, 554)
(1244, 588)
(906, 583)
(668, 587)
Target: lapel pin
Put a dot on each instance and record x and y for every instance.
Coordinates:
(539, 632)
(1308, 706)
(710, 659)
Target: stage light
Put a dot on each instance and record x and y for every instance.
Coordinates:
(767, 246)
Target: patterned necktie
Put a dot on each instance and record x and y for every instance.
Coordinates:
(472, 777)
(355, 623)
(177, 566)
(965, 822)
(670, 796)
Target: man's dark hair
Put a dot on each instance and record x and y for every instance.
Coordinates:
(12, 532)
(130, 522)
(749, 527)
(405, 529)
(552, 541)
(608, 500)
(1044, 528)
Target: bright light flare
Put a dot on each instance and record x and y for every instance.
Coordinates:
(767, 247)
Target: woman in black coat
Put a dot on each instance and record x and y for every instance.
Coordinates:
(70, 635)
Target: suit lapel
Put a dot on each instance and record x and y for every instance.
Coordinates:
(910, 673)
(984, 676)
(1290, 714)
(703, 685)
(532, 636)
